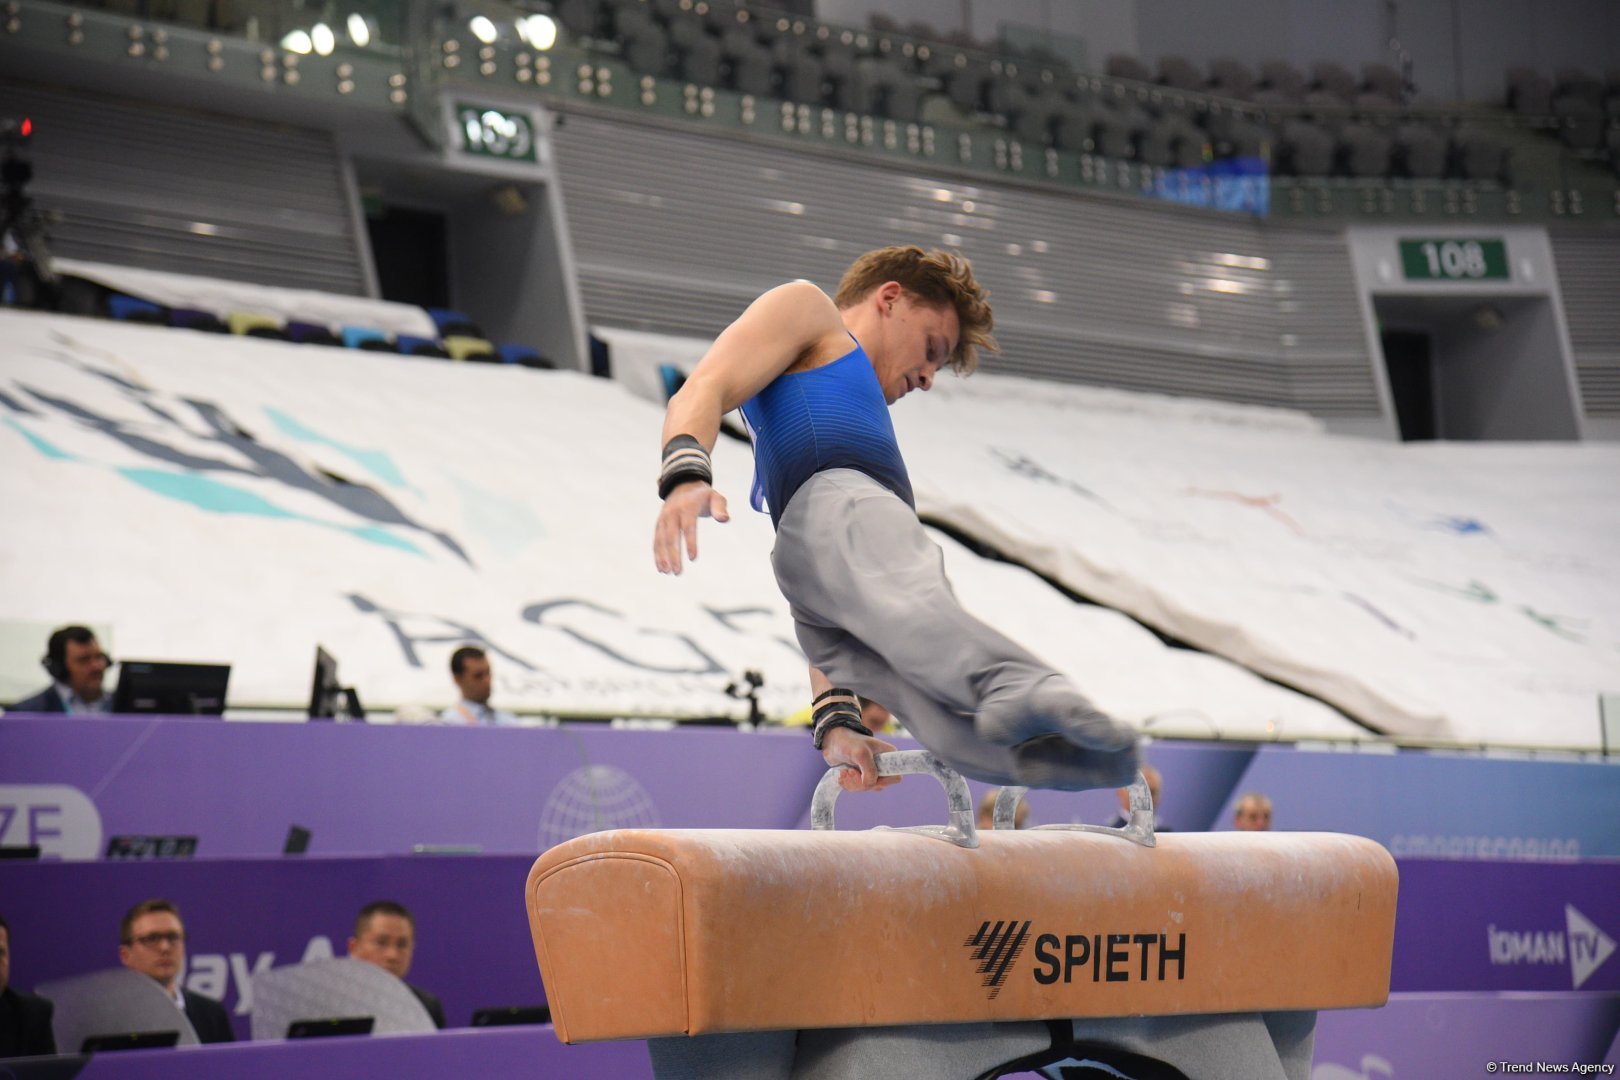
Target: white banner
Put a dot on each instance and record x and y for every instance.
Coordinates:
(236, 500)
(1450, 591)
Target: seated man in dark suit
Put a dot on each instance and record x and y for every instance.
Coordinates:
(385, 935)
(25, 1020)
(78, 668)
(152, 941)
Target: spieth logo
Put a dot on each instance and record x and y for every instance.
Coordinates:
(1103, 958)
(995, 948)
(1582, 944)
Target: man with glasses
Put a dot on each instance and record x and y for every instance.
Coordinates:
(152, 941)
(78, 668)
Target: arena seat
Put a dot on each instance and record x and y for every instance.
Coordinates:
(1577, 83)
(1283, 77)
(628, 17)
(1364, 150)
(1231, 78)
(364, 337)
(1375, 99)
(1581, 122)
(1304, 149)
(1272, 97)
(940, 109)
(1332, 78)
(1172, 142)
(309, 333)
(450, 321)
(1477, 153)
(1117, 132)
(579, 17)
(1073, 127)
(1528, 92)
(647, 50)
(134, 309)
(1033, 121)
(801, 78)
(461, 347)
(197, 319)
(1179, 73)
(685, 28)
(1006, 97)
(1383, 80)
(1124, 66)
(749, 64)
(699, 61)
(255, 324)
(1420, 151)
(409, 345)
(1245, 138)
(523, 355)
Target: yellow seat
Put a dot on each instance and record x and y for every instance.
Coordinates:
(255, 324)
(469, 348)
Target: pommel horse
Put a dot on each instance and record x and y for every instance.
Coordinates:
(947, 951)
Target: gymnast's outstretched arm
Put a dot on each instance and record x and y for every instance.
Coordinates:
(780, 329)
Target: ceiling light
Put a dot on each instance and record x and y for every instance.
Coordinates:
(322, 38)
(540, 31)
(359, 32)
(483, 29)
(297, 41)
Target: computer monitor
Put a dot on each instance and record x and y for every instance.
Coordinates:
(134, 1040)
(511, 1015)
(337, 1025)
(146, 686)
(323, 695)
(327, 696)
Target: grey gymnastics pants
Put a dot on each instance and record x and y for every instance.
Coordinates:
(875, 612)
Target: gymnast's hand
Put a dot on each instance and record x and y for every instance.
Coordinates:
(678, 520)
(845, 746)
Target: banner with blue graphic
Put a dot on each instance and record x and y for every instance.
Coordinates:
(1235, 185)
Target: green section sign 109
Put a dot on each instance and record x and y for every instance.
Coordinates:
(1454, 260)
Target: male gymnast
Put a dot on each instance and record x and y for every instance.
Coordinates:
(873, 610)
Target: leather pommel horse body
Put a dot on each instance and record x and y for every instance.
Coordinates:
(645, 932)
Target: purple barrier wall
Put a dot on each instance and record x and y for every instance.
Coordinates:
(473, 946)
(1460, 926)
(488, 1054)
(1445, 1036)
(1465, 925)
(1439, 805)
(67, 784)
(370, 790)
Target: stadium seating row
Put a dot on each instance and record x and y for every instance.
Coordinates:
(459, 337)
(1329, 124)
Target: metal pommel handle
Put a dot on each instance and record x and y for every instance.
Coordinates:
(1138, 828)
(963, 830)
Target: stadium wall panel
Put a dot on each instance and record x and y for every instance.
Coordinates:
(188, 192)
(676, 232)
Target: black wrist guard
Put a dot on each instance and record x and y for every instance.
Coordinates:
(684, 459)
(836, 708)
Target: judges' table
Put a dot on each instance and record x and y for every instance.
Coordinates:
(490, 1054)
(243, 916)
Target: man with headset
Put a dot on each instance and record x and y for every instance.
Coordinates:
(78, 668)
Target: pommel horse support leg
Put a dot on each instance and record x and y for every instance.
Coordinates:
(816, 953)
